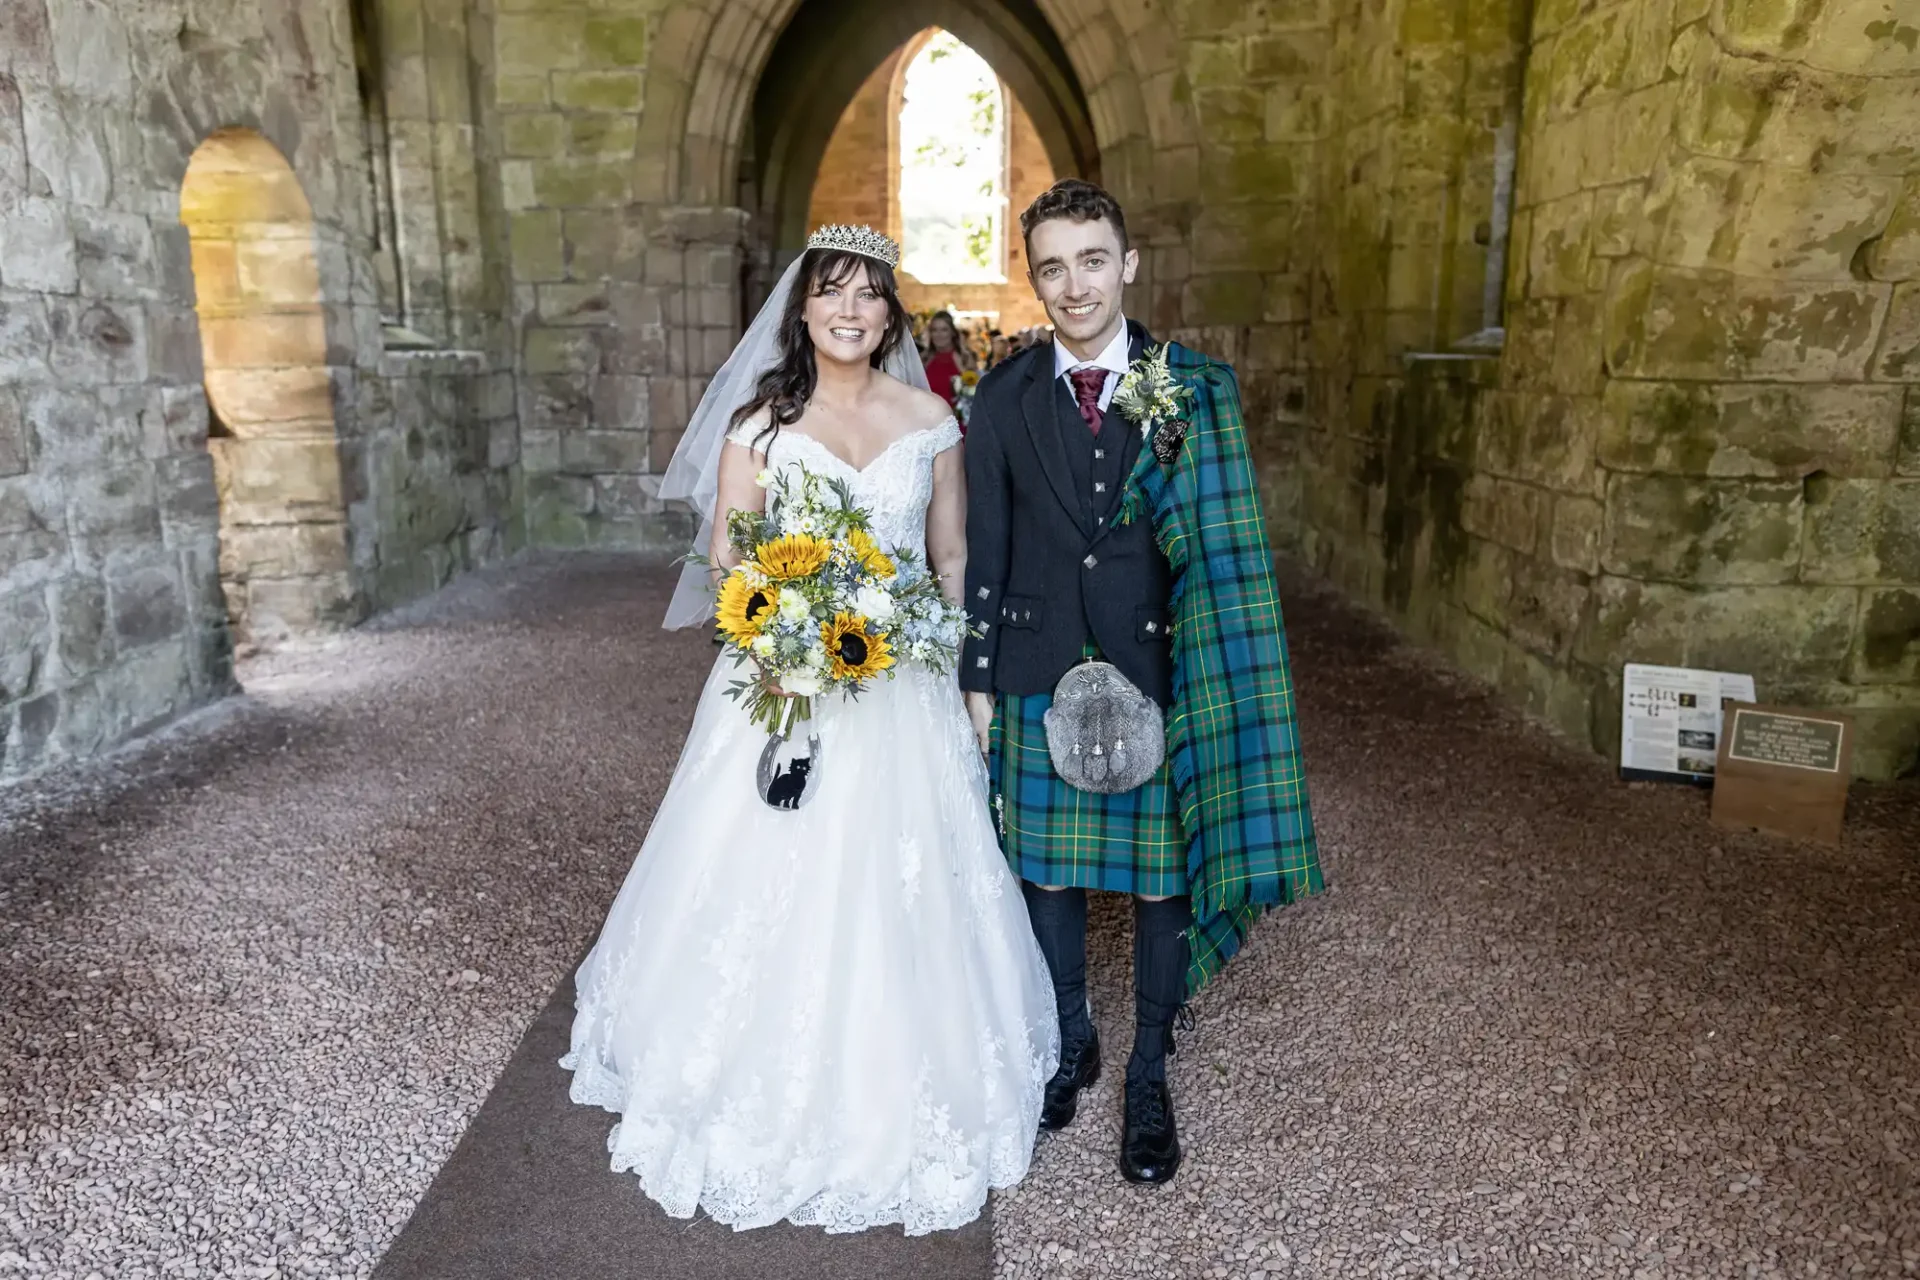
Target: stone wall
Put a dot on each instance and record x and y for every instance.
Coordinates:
(622, 304)
(624, 133)
(1572, 332)
(856, 184)
(1231, 275)
(1697, 444)
(112, 617)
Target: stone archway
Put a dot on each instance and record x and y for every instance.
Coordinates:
(1089, 68)
(696, 116)
(272, 434)
(860, 179)
(827, 52)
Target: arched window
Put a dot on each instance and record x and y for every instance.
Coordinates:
(953, 166)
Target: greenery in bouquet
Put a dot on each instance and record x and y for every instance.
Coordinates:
(1149, 394)
(817, 606)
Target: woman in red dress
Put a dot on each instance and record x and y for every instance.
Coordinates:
(946, 358)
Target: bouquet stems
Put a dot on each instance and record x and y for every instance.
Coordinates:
(778, 713)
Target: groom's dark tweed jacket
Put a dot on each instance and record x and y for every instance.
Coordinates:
(1048, 566)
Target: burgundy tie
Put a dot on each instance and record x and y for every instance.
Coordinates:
(1087, 386)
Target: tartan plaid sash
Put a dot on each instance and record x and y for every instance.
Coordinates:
(1232, 739)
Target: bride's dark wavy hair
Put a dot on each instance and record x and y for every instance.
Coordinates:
(786, 388)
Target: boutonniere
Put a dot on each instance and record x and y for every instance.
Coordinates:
(1149, 397)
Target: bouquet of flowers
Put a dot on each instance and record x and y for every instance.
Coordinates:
(817, 606)
(964, 385)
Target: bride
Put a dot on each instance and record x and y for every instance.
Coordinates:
(836, 1014)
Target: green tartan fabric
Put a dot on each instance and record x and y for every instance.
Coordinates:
(1232, 739)
(1055, 834)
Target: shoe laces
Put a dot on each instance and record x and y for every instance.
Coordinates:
(1146, 1104)
(1071, 1056)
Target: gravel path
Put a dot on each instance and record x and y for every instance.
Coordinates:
(261, 975)
(260, 972)
(1542, 1024)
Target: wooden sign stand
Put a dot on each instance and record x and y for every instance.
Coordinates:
(1783, 770)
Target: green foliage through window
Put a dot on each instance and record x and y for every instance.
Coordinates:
(953, 160)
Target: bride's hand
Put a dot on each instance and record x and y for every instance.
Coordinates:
(980, 709)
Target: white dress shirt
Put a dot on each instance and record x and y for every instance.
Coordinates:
(1113, 359)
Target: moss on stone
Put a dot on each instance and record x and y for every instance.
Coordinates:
(602, 134)
(1907, 459)
(538, 252)
(616, 41)
(598, 90)
(556, 515)
(1236, 298)
(1890, 636)
(1675, 529)
(535, 43)
(532, 133)
(1257, 173)
(566, 182)
(1429, 434)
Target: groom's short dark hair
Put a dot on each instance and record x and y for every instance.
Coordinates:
(1077, 200)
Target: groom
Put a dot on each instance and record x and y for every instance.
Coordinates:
(1069, 504)
(1055, 576)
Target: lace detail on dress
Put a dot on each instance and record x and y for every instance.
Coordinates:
(836, 1016)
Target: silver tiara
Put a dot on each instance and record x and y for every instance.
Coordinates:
(864, 241)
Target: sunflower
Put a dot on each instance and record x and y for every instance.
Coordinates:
(868, 553)
(745, 608)
(798, 555)
(852, 653)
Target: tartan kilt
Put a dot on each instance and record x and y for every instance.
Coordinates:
(1055, 834)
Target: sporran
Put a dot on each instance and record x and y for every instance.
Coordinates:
(1104, 735)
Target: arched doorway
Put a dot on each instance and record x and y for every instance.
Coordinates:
(283, 531)
(741, 97)
(831, 51)
(938, 151)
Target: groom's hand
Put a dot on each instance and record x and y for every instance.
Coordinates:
(980, 708)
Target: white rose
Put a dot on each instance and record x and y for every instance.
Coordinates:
(763, 645)
(801, 684)
(874, 603)
(794, 606)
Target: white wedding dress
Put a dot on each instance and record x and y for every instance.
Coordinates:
(835, 1015)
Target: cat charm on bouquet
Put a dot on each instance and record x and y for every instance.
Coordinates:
(816, 607)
